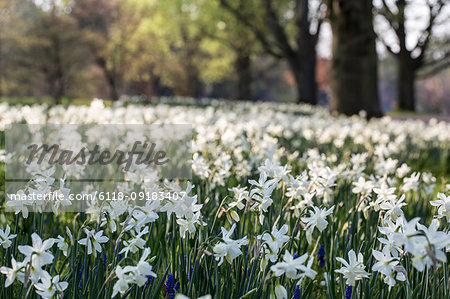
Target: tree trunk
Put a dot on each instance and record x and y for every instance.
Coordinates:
(191, 73)
(155, 85)
(405, 84)
(244, 76)
(192, 87)
(59, 92)
(59, 73)
(112, 87)
(109, 77)
(303, 67)
(354, 64)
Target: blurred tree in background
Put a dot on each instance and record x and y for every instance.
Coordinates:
(411, 59)
(312, 51)
(354, 65)
(287, 30)
(108, 25)
(56, 40)
(240, 41)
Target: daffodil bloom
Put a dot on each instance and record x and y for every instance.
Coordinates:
(123, 280)
(393, 207)
(317, 219)
(187, 224)
(50, 287)
(6, 237)
(20, 206)
(384, 193)
(37, 253)
(143, 269)
(280, 292)
(352, 270)
(387, 265)
(135, 243)
(274, 241)
(292, 267)
(62, 245)
(443, 205)
(133, 274)
(15, 272)
(93, 239)
(229, 248)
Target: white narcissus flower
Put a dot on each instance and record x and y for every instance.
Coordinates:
(384, 193)
(353, 270)
(274, 241)
(17, 271)
(63, 194)
(138, 274)
(362, 186)
(187, 224)
(280, 292)
(93, 239)
(109, 222)
(403, 170)
(135, 243)
(143, 269)
(317, 219)
(391, 241)
(50, 287)
(123, 280)
(393, 207)
(427, 245)
(240, 195)
(292, 267)
(387, 265)
(229, 248)
(443, 205)
(6, 237)
(435, 244)
(276, 238)
(275, 170)
(297, 188)
(44, 178)
(146, 214)
(411, 183)
(37, 253)
(262, 182)
(407, 236)
(20, 205)
(307, 271)
(182, 206)
(62, 245)
(200, 166)
(263, 192)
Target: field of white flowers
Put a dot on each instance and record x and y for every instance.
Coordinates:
(285, 201)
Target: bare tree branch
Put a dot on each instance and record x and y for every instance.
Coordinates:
(302, 21)
(386, 45)
(424, 40)
(387, 13)
(225, 41)
(434, 70)
(439, 60)
(301, 10)
(277, 30)
(245, 20)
